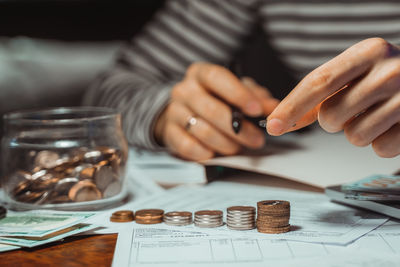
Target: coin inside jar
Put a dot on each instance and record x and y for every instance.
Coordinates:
(122, 216)
(84, 190)
(46, 159)
(149, 216)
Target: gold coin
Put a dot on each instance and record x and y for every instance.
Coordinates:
(21, 187)
(273, 223)
(87, 173)
(122, 216)
(273, 230)
(149, 216)
(267, 205)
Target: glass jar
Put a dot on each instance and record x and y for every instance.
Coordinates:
(63, 158)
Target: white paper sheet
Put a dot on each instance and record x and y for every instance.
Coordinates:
(166, 169)
(161, 247)
(316, 158)
(313, 217)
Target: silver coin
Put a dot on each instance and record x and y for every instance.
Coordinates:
(202, 225)
(46, 159)
(103, 177)
(208, 221)
(112, 189)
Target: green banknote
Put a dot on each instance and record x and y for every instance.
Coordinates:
(6, 247)
(37, 241)
(39, 223)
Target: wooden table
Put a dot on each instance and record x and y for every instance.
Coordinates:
(98, 250)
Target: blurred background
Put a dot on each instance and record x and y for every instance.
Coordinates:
(50, 50)
(71, 20)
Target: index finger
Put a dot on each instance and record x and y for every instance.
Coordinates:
(299, 108)
(223, 83)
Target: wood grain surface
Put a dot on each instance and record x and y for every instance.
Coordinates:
(95, 250)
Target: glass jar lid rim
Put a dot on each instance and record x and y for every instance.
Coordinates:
(83, 113)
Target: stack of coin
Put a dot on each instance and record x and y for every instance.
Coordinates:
(178, 218)
(149, 216)
(241, 217)
(122, 216)
(273, 216)
(208, 218)
(77, 175)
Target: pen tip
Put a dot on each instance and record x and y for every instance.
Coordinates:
(262, 123)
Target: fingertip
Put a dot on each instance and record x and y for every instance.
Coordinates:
(275, 127)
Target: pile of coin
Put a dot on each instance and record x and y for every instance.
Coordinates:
(273, 216)
(122, 216)
(81, 174)
(208, 218)
(178, 218)
(149, 216)
(241, 217)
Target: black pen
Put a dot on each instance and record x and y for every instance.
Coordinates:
(237, 118)
(237, 115)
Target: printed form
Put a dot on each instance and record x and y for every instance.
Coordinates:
(148, 247)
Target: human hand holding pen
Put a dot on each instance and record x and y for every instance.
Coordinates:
(358, 92)
(197, 123)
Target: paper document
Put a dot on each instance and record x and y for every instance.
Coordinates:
(315, 157)
(166, 169)
(138, 246)
(313, 217)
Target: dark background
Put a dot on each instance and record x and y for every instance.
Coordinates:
(90, 20)
(105, 20)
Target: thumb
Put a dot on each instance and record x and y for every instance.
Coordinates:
(274, 124)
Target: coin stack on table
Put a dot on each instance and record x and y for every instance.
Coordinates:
(241, 217)
(208, 218)
(122, 216)
(178, 218)
(273, 216)
(149, 216)
(78, 175)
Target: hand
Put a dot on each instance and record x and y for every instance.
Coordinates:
(358, 92)
(203, 94)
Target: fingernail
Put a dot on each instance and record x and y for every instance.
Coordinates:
(254, 108)
(275, 127)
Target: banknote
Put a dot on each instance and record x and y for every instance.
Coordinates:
(6, 247)
(389, 184)
(37, 241)
(39, 223)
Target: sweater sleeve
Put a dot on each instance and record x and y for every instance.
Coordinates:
(146, 69)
